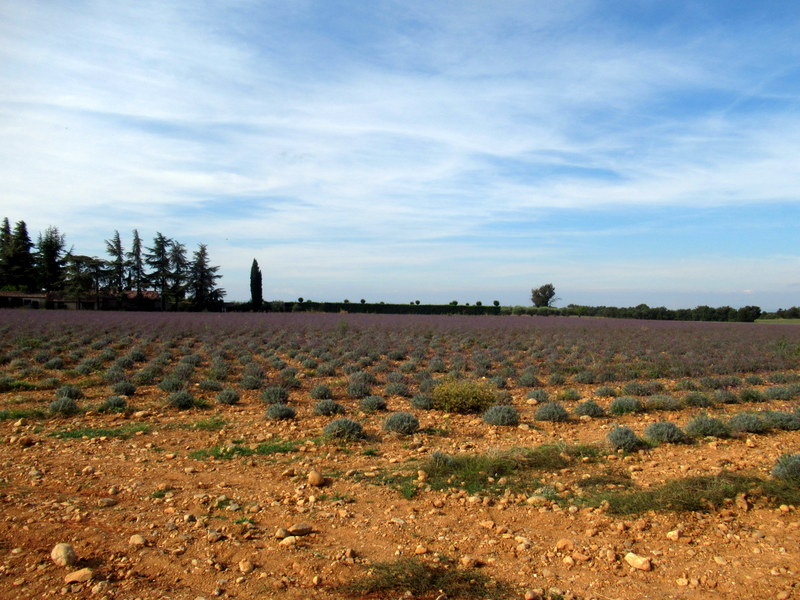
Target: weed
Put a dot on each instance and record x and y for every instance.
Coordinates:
(552, 411)
(501, 415)
(788, 468)
(211, 424)
(666, 432)
(705, 426)
(401, 422)
(280, 412)
(124, 432)
(372, 404)
(343, 428)
(589, 408)
(462, 396)
(624, 405)
(623, 438)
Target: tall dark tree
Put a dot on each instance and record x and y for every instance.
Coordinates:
(179, 271)
(202, 282)
(50, 259)
(117, 263)
(137, 278)
(20, 268)
(84, 276)
(157, 258)
(256, 289)
(5, 251)
(544, 295)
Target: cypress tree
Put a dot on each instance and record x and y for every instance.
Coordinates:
(256, 290)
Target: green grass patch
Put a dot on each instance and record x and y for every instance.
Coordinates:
(124, 432)
(160, 493)
(702, 493)
(423, 580)
(234, 450)
(29, 413)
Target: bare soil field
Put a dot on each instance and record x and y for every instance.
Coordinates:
(170, 487)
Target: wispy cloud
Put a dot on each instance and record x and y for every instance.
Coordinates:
(341, 142)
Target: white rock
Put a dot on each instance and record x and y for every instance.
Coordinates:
(638, 562)
(63, 555)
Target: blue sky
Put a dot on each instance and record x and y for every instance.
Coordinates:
(627, 152)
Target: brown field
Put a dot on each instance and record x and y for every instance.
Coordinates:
(541, 508)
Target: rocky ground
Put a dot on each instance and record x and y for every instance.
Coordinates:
(146, 516)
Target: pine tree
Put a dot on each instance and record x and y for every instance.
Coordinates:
(20, 269)
(50, 259)
(202, 280)
(256, 290)
(179, 267)
(137, 278)
(157, 258)
(117, 263)
(5, 251)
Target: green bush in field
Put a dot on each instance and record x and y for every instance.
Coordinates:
(280, 411)
(372, 404)
(748, 423)
(69, 391)
(274, 395)
(788, 468)
(502, 415)
(778, 419)
(462, 396)
(321, 392)
(343, 428)
(705, 426)
(589, 408)
(623, 438)
(624, 405)
(401, 422)
(228, 396)
(665, 432)
(327, 407)
(422, 401)
(64, 406)
(123, 388)
(552, 411)
(181, 400)
(114, 404)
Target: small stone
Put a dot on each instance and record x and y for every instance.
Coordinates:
(420, 549)
(137, 541)
(300, 529)
(469, 562)
(246, 566)
(564, 544)
(315, 478)
(742, 503)
(88, 470)
(106, 502)
(638, 562)
(63, 555)
(720, 560)
(213, 536)
(79, 576)
(674, 535)
(288, 541)
(682, 582)
(281, 533)
(100, 587)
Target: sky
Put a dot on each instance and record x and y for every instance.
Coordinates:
(627, 152)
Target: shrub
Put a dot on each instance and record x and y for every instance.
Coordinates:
(326, 369)
(321, 392)
(725, 396)
(747, 423)
(623, 438)
(661, 402)
(498, 382)
(698, 399)
(624, 405)
(171, 384)
(69, 391)
(397, 389)
(785, 421)
(147, 375)
(778, 393)
(788, 468)
(569, 395)
(228, 396)
(343, 428)
(114, 404)
(705, 426)
(114, 375)
(462, 396)
(665, 432)
(54, 363)
(552, 411)
(539, 395)
(556, 379)
(274, 395)
(251, 382)
(280, 412)
(372, 404)
(605, 391)
(401, 422)
(123, 388)
(634, 388)
(358, 388)
(327, 407)
(209, 385)
(589, 408)
(751, 395)
(64, 406)
(687, 385)
(754, 380)
(528, 379)
(181, 400)
(502, 415)
(586, 377)
(422, 401)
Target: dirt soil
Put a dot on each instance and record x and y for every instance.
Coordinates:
(212, 527)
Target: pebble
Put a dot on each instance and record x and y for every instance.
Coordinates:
(289, 540)
(79, 576)
(281, 533)
(315, 478)
(300, 529)
(106, 502)
(246, 566)
(564, 544)
(469, 562)
(63, 555)
(137, 541)
(638, 562)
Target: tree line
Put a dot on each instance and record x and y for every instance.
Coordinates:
(164, 267)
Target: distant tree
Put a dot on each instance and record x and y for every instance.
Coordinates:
(256, 289)
(544, 295)
(363, 301)
(202, 282)
(5, 251)
(50, 259)
(20, 266)
(137, 278)
(496, 302)
(117, 263)
(157, 258)
(748, 314)
(179, 272)
(84, 275)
